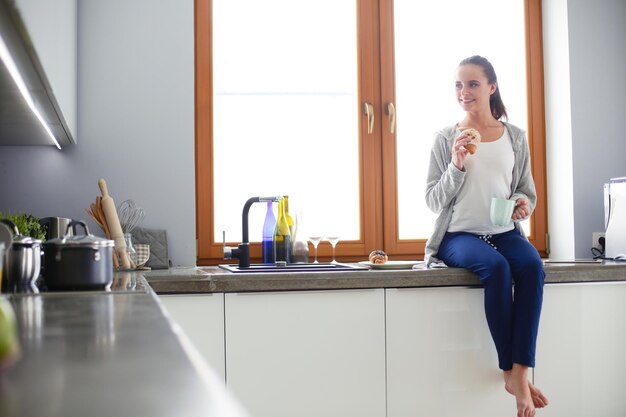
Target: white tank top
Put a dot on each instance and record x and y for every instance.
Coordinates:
(489, 173)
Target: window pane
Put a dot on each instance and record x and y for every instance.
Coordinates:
(286, 112)
(430, 40)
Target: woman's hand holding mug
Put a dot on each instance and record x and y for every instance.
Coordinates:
(522, 210)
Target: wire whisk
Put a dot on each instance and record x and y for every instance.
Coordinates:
(130, 215)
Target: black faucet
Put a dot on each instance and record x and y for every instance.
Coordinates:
(242, 251)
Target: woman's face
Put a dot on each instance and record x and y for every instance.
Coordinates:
(472, 88)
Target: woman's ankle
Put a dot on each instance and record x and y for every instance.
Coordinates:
(519, 370)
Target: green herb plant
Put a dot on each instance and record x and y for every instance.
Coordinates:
(27, 224)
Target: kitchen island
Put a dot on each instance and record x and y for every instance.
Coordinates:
(106, 353)
(356, 343)
(397, 343)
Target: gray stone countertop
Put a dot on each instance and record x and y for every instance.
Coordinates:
(116, 353)
(215, 279)
(106, 353)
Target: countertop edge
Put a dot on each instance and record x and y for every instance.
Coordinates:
(214, 280)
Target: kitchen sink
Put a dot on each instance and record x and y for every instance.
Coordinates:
(319, 267)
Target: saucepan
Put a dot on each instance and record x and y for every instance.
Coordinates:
(78, 261)
(23, 261)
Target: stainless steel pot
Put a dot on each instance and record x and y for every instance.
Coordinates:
(78, 262)
(23, 262)
(56, 226)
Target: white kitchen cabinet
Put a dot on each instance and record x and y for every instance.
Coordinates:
(307, 354)
(581, 353)
(52, 29)
(441, 360)
(41, 39)
(202, 319)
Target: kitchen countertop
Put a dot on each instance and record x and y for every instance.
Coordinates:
(106, 353)
(215, 279)
(116, 352)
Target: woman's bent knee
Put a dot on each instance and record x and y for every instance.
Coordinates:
(532, 273)
(495, 270)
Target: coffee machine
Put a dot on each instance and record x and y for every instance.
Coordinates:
(56, 227)
(615, 218)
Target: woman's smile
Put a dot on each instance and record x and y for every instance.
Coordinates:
(466, 103)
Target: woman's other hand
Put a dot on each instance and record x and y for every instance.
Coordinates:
(522, 210)
(459, 153)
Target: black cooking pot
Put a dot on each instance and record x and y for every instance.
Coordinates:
(78, 262)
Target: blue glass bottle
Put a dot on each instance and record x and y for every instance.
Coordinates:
(268, 234)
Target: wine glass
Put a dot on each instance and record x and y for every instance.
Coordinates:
(333, 240)
(315, 240)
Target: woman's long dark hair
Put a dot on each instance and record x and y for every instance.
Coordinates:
(495, 101)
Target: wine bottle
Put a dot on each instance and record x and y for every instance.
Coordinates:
(268, 234)
(282, 236)
(290, 221)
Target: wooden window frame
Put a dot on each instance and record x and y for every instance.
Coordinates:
(378, 174)
(414, 248)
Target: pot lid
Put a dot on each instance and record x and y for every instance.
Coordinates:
(82, 241)
(25, 241)
(86, 240)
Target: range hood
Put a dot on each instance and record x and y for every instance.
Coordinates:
(18, 124)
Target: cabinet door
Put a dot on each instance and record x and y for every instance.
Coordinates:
(581, 352)
(307, 354)
(51, 33)
(441, 360)
(202, 319)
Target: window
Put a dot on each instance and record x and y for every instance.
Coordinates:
(284, 111)
(282, 92)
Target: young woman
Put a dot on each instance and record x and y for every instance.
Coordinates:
(460, 187)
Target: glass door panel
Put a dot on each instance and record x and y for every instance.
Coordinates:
(285, 113)
(430, 40)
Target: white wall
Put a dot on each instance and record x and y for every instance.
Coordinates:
(560, 172)
(592, 60)
(598, 92)
(135, 124)
(136, 120)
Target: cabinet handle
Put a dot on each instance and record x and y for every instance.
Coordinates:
(391, 112)
(368, 109)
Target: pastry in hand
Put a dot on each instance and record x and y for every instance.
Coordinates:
(474, 137)
(378, 257)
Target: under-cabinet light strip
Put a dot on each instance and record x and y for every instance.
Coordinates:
(19, 81)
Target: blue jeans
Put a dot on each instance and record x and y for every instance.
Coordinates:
(501, 261)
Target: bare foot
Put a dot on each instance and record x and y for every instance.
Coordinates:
(539, 399)
(518, 385)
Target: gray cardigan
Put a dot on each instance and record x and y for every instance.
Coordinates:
(445, 180)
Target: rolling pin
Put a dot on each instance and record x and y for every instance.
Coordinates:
(110, 213)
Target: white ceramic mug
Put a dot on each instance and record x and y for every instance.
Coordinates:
(501, 211)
